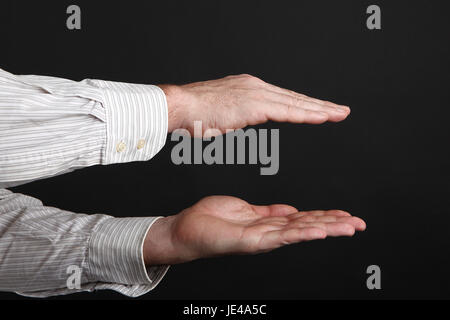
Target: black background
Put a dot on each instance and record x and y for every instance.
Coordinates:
(387, 163)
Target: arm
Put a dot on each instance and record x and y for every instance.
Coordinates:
(55, 125)
(131, 255)
(49, 126)
(38, 244)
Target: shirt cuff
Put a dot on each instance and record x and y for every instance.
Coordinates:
(115, 257)
(136, 118)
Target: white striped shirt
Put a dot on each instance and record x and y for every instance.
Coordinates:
(49, 126)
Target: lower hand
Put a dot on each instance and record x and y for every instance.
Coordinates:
(222, 225)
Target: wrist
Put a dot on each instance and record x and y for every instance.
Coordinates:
(175, 105)
(158, 247)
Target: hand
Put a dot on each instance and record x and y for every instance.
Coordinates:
(237, 101)
(222, 225)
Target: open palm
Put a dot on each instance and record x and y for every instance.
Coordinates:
(220, 225)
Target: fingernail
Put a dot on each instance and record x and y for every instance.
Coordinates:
(343, 109)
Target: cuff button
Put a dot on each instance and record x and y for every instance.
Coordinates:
(141, 144)
(121, 146)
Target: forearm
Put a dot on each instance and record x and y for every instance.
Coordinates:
(38, 244)
(58, 125)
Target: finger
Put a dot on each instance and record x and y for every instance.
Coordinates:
(338, 229)
(356, 222)
(296, 94)
(335, 113)
(278, 238)
(310, 218)
(333, 229)
(318, 213)
(287, 113)
(275, 210)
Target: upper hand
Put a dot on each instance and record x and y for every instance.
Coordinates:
(235, 102)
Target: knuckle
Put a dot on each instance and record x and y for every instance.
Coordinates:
(246, 76)
(251, 79)
(293, 101)
(308, 219)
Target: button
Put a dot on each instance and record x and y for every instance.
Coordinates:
(121, 146)
(141, 144)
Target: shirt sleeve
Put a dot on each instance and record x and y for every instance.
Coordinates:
(46, 251)
(50, 126)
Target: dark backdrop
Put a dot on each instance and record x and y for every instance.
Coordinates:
(387, 163)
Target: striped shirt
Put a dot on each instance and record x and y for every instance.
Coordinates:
(50, 126)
